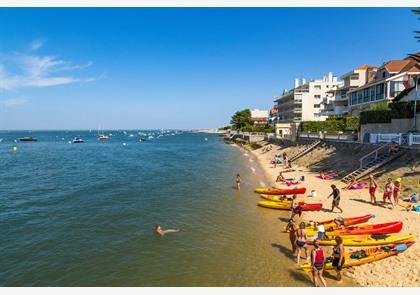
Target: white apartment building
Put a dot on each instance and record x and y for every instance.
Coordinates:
(335, 103)
(303, 102)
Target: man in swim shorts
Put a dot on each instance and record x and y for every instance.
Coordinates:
(336, 198)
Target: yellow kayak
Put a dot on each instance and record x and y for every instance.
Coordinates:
(277, 198)
(288, 206)
(363, 256)
(368, 240)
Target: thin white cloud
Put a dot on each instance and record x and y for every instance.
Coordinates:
(37, 71)
(37, 44)
(13, 102)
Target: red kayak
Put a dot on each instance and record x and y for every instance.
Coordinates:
(350, 220)
(276, 191)
(312, 207)
(368, 229)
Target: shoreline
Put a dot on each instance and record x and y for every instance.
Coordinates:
(394, 271)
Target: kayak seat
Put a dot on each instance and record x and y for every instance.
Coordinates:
(379, 236)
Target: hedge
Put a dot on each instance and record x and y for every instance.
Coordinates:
(369, 117)
(331, 125)
(403, 110)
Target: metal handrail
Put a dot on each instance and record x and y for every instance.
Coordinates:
(371, 153)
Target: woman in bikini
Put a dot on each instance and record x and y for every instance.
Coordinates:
(317, 261)
(338, 257)
(296, 207)
(301, 238)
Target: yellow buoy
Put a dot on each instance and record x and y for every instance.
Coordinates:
(14, 149)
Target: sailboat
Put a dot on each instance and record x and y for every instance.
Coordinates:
(102, 136)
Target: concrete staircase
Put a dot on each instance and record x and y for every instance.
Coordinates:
(305, 150)
(373, 161)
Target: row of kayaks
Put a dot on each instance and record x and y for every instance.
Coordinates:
(383, 239)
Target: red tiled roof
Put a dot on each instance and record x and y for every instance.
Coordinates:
(365, 67)
(396, 66)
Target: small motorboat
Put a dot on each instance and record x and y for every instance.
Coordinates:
(103, 137)
(27, 139)
(77, 140)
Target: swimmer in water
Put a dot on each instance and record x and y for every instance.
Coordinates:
(162, 232)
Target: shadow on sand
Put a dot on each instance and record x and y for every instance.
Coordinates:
(286, 251)
(368, 202)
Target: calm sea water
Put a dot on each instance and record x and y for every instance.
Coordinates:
(83, 214)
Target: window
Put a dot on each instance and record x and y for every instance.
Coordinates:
(317, 86)
(354, 77)
(359, 96)
(383, 74)
(317, 96)
(353, 98)
(379, 91)
(317, 105)
(396, 87)
(372, 93)
(366, 95)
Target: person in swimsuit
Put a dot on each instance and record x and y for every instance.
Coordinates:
(389, 191)
(162, 232)
(296, 207)
(372, 188)
(351, 184)
(301, 238)
(238, 182)
(322, 175)
(336, 198)
(317, 261)
(397, 190)
(291, 227)
(338, 257)
(280, 177)
(339, 221)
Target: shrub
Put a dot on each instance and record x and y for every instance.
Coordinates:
(247, 128)
(403, 110)
(370, 117)
(352, 123)
(379, 106)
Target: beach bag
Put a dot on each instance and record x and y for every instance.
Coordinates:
(302, 178)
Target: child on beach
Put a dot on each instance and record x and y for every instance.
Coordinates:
(321, 231)
(336, 198)
(389, 191)
(317, 261)
(238, 182)
(372, 188)
(291, 227)
(397, 190)
(301, 238)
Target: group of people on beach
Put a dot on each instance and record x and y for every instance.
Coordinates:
(298, 239)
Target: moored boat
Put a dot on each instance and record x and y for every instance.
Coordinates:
(27, 139)
(77, 140)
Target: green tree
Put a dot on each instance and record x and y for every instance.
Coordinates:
(241, 119)
(379, 106)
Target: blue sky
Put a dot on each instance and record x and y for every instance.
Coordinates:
(178, 68)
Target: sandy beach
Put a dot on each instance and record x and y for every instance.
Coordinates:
(399, 270)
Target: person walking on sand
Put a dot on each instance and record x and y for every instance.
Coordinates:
(301, 238)
(291, 227)
(318, 263)
(238, 182)
(338, 257)
(397, 190)
(389, 191)
(336, 198)
(372, 188)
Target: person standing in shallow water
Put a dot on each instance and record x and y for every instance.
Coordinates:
(238, 182)
(291, 227)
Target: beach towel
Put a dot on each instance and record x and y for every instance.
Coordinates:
(290, 183)
(357, 186)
